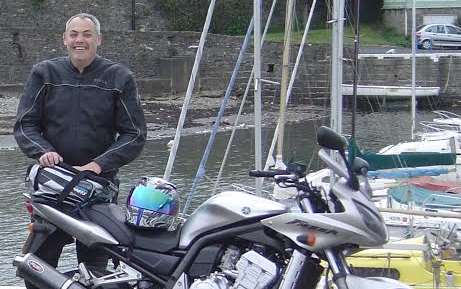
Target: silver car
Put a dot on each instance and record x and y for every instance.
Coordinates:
(438, 35)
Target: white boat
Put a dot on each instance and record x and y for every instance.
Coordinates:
(428, 217)
(444, 122)
(418, 217)
(443, 145)
(391, 92)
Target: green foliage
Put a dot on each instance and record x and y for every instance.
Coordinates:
(371, 11)
(391, 36)
(233, 16)
(230, 17)
(37, 4)
(182, 14)
(370, 34)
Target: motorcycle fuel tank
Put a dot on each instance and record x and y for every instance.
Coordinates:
(224, 209)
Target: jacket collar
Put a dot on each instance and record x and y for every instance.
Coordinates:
(87, 69)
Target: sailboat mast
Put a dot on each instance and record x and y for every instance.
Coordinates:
(356, 65)
(337, 66)
(190, 89)
(257, 90)
(284, 83)
(413, 70)
(292, 80)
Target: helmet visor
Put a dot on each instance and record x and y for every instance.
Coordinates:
(153, 199)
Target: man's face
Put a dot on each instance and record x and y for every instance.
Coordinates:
(81, 41)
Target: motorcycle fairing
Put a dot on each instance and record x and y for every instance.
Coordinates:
(86, 232)
(265, 237)
(206, 261)
(225, 209)
(334, 229)
(161, 264)
(329, 231)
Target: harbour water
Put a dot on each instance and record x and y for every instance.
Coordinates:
(374, 130)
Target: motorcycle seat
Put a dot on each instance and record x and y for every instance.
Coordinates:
(158, 240)
(112, 218)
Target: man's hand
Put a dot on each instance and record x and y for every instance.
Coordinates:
(50, 159)
(93, 166)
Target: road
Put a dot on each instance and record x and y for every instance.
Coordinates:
(402, 50)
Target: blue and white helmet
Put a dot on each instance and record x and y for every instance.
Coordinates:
(153, 203)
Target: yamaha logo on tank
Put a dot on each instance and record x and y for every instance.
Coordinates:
(246, 210)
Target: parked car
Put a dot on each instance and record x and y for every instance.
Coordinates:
(438, 35)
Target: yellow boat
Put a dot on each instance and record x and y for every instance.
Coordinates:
(415, 262)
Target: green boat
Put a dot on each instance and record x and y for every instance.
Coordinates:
(401, 160)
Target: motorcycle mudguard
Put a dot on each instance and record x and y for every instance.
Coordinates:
(37, 236)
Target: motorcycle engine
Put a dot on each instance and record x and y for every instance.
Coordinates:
(214, 281)
(251, 271)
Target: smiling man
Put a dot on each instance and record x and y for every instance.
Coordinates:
(74, 107)
(81, 109)
(82, 38)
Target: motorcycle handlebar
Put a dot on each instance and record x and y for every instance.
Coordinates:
(267, 174)
(285, 178)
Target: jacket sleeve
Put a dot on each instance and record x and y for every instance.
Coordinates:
(27, 128)
(131, 129)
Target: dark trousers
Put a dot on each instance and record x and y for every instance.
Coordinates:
(46, 242)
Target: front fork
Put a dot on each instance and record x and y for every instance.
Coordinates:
(336, 260)
(338, 266)
(301, 272)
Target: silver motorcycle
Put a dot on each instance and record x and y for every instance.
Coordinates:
(234, 239)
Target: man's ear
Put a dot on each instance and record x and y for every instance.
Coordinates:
(64, 39)
(99, 39)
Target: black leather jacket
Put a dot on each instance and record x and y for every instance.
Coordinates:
(91, 116)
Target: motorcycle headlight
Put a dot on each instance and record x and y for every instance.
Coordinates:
(372, 220)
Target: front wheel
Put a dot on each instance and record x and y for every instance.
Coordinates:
(426, 44)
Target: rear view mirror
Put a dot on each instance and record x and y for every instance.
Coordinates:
(360, 166)
(328, 138)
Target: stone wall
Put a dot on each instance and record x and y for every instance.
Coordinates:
(52, 14)
(151, 56)
(436, 72)
(162, 62)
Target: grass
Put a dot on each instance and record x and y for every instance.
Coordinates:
(370, 35)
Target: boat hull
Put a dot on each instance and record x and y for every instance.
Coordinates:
(391, 92)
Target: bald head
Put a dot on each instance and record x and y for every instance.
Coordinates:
(90, 17)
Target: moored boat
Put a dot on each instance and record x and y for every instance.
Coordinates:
(390, 92)
(416, 262)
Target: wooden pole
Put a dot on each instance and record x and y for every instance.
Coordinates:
(284, 83)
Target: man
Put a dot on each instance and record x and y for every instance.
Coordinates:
(83, 110)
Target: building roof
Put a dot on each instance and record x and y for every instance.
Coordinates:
(400, 4)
